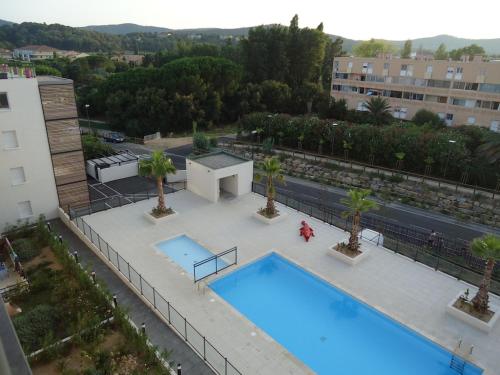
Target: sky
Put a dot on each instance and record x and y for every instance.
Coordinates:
(359, 19)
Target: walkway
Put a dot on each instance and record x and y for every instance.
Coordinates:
(159, 333)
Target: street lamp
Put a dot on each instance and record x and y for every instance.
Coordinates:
(87, 106)
(450, 141)
(333, 134)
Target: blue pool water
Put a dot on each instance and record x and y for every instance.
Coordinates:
(325, 328)
(185, 252)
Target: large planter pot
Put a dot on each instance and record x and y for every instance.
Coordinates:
(281, 216)
(156, 220)
(352, 261)
(472, 320)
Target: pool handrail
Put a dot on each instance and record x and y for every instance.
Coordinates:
(215, 257)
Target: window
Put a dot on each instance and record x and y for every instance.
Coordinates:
(449, 116)
(400, 112)
(441, 115)
(471, 120)
(449, 73)
(349, 64)
(386, 66)
(429, 69)
(9, 139)
(404, 70)
(438, 83)
(4, 101)
(17, 176)
(489, 87)
(25, 210)
(495, 126)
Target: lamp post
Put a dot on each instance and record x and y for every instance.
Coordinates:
(333, 134)
(450, 141)
(87, 106)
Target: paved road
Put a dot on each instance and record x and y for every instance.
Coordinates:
(311, 191)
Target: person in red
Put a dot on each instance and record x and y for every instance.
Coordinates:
(306, 231)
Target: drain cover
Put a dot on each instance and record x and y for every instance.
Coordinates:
(322, 338)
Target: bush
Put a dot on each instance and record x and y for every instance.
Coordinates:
(200, 143)
(34, 325)
(424, 116)
(267, 146)
(213, 142)
(93, 147)
(25, 249)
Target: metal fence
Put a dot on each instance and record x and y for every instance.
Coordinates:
(118, 200)
(198, 342)
(449, 255)
(215, 264)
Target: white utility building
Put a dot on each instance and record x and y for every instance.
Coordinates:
(219, 173)
(113, 167)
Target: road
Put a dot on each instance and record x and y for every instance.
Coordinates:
(313, 192)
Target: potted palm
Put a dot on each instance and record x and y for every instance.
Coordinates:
(356, 202)
(157, 167)
(272, 172)
(477, 311)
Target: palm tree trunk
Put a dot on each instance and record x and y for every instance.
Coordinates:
(270, 209)
(161, 198)
(353, 238)
(481, 299)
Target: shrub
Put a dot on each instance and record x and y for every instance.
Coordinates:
(93, 147)
(424, 116)
(267, 146)
(396, 178)
(200, 143)
(25, 249)
(213, 142)
(34, 325)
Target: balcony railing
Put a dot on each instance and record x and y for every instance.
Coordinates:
(8, 71)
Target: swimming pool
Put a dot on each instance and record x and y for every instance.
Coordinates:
(325, 328)
(186, 252)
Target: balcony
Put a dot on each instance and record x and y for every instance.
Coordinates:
(17, 70)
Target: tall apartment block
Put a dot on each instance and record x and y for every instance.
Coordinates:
(41, 158)
(460, 92)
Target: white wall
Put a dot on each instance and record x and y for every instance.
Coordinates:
(116, 172)
(202, 181)
(25, 116)
(180, 175)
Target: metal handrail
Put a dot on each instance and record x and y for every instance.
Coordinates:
(215, 257)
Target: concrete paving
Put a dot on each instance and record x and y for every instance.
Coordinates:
(158, 332)
(407, 291)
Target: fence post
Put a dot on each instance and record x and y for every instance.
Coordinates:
(154, 298)
(185, 329)
(204, 349)
(117, 262)
(128, 265)
(140, 283)
(225, 365)
(107, 247)
(168, 312)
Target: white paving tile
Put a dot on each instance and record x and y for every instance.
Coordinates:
(407, 291)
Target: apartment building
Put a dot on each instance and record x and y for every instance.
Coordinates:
(41, 157)
(34, 52)
(460, 92)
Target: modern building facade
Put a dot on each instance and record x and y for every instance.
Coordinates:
(460, 92)
(41, 157)
(34, 52)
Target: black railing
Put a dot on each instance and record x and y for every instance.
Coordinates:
(175, 319)
(215, 263)
(449, 255)
(118, 200)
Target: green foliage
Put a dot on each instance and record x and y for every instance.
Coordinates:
(357, 201)
(406, 51)
(45, 70)
(272, 172)
(379, 109)
(441, 53)
(32, 326)
(426, 117)
(157, 166)
(486, 247)
(372, 48)
(25, 249)
(468, 51)
(201, 143)
(93, 147)
(268, 145)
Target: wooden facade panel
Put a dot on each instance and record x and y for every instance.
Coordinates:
(64, 135)
(69, 167)
(58, 101)
(74, 195)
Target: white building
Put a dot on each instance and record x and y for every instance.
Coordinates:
(219, 173)
(40, 148)
(34, 52)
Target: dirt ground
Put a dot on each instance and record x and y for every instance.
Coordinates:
(76, 360)
(46, 255)
(169, 142)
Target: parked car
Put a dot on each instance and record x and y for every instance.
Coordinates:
(114, 137)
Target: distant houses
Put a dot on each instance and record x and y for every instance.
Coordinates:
(43, 52)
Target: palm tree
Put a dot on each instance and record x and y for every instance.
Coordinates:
(272, 170)
(379, 109)
(157, 167)
(487, 248)
(356, 203)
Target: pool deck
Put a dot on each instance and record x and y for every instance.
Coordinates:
(407, 291)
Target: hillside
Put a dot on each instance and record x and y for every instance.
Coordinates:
(3, 22)
(125, 28)
(491, 46)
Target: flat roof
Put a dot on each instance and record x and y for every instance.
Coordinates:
(52, 80)
(107, 161)
(218, 160)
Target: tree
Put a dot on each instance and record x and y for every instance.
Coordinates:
(379, 110)
(157, 166)
(356, 203)
(468, 51)
(372, 47)
(441, 53)
(275, 95)
(487, 248)
(406, 52)
(94, 148)
(424, 116)
(272, 171)
(332, 49)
